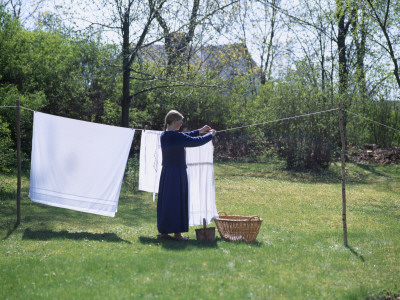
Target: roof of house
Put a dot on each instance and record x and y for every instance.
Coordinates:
(229, 60)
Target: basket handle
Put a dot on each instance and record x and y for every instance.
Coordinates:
(257, 218)
(222, 212)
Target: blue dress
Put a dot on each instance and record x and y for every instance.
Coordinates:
(172, 204)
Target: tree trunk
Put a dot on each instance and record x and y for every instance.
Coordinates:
(341, 41)
(359, 36)
(266, 68)
(343, 27)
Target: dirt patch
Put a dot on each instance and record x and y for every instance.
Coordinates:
(375, 154)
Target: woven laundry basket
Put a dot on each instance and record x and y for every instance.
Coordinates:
(238, 228)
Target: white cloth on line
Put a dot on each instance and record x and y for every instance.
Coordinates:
(200, 171)
(150, 161)
(78, 165)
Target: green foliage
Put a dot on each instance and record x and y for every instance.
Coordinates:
(7, 154)
(111, 112)
(52, 70)
(131, 177)
(363, 131)
(305, 143)
(35, 101)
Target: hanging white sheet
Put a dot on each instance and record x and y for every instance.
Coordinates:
(200, 172)
(78, 165)
(150, 161)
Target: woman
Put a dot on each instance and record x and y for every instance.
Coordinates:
(172, 204)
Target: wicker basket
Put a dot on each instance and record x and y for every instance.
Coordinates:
(238, 228)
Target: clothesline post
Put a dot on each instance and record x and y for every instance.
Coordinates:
(18, 164)
(342, 157)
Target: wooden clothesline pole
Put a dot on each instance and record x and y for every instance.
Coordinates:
(342, 157)
(18, 164)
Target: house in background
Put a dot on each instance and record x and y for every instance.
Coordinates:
(227, 61)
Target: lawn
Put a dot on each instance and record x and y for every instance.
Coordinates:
(299, 254)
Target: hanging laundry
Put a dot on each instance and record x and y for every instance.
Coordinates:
(200, 171)
(150, 161)
(78, 165)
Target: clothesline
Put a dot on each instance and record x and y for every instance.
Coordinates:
(17, 106)
(263, 123)
(373, 121)
(278, 120)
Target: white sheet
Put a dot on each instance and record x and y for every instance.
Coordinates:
(200, 171)
(78, 165)
(150, 161)
(200, 175)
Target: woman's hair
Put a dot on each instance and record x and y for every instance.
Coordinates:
(172, 115)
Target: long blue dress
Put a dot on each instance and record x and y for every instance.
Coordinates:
(172, 204)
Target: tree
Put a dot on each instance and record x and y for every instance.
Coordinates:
(359, 29)
(176, 43)
(384, 13)
(126, 15)
(51, 71)
(268, 43)
(343, 24)
(23, 10)
(258, 25)
(132, 20)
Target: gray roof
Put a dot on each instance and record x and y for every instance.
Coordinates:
(228, 60)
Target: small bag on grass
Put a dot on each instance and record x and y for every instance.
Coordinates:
(205, 234)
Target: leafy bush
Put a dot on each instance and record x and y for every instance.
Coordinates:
(7, 154)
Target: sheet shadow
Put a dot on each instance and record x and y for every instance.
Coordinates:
(359, 256)
(177, 245)
(371, 169)
(10, 231)
(45, 235)
(171, 244)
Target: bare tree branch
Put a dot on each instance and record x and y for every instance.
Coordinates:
(388, 40)
(177, 85)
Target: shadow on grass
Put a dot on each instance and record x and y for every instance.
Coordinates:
(45, 235)
(128, 214)
(359, 256)
(171, 244)
(177, 245)
(11, 230)
(371, 169)
(382, 295)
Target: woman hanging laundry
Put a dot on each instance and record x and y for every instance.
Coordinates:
(172, 204)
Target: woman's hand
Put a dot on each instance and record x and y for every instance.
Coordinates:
(205, 128)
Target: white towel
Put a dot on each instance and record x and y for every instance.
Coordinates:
(78, 165)
(200, 171)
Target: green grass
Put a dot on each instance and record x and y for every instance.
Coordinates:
(299, 253)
